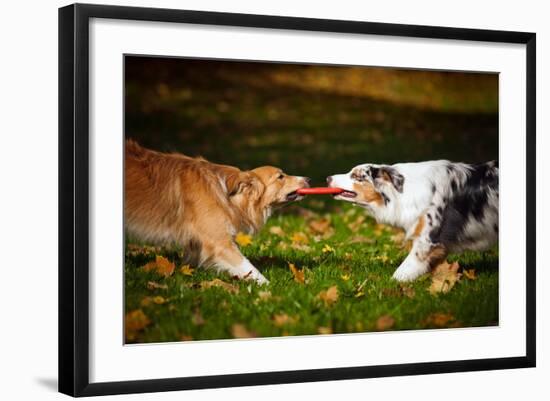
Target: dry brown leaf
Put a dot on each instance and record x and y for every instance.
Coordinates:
(321, 226)
(361, 240)
(329, 296)
(277, 231)
(161, 265)
(384, 322)
(357, 223)
(221, 284)
(398, 238)
(301, 247)
(470, 274)
(407, 291)
(134, 322)
(324, 330)
(439, 319)
(243, 239)
(186, 338)
(197, 318)
(299, 275)
(240, 331)
(283, 319)
(153, 285)
(444, 277)
(187, 270)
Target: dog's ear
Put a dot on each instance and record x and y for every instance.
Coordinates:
(236, 182)
(391, 175)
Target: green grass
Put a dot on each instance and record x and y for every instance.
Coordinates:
(361, 271)
(314, 122)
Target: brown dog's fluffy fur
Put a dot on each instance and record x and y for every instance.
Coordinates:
(201, 206)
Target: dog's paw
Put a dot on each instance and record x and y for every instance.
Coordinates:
(410, 271)
(257, 277)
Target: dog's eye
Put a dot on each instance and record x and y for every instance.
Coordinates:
(281, 176)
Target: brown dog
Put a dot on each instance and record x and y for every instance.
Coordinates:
(201, 206)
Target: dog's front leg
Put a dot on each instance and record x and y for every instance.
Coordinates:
(422, 257)
(228, 258)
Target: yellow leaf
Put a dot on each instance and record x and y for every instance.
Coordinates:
(240, 331)
(283, 319)
(345, 277)
(329, 296)
(161, 265)
(328, 249)
(444, 277)
(384, 322)
(134, 322)
(277, 231)
(159, 300)
(299, 276)
(299, 238)
(187, 270)
(243, 239)
(470, 274)
(221, 284)
(301, 247)
(359, 294)
(324, 330)
(153, 285)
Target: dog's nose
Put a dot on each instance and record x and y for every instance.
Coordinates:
(329, 179)
(307, 180)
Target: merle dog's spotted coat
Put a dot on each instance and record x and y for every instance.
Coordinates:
(443, 206)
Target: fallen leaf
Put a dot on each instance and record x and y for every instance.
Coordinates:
(324, 330)
(470, 274)
(329, 296)
(134, 322)
(345, 277)
(153, 285)
(277, 231)
(299, 238)
(357, 223)
(328, 249)
(221, 284)
(197, 318)
(384, 322)
(361, 240)
(384, 258)
(444, 277)
(159, 300)
(264, 295)
(409, 292)
(301, 247)
(321, 226)
(398, 238)
(283, 319)
(243, 239)
(240, 331)
(161, 265)
(187, 270)
(359, 294)
(299, 275)
(186, 338)
(439, 319)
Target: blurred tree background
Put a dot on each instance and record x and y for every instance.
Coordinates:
(312, 120)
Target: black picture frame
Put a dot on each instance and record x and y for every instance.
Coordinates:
(74, 198)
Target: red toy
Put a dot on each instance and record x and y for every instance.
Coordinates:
(320, 191)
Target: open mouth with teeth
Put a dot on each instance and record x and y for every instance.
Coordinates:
(292, 196)
(347, 194)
